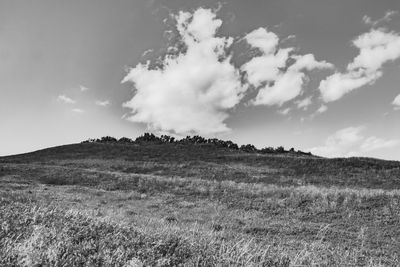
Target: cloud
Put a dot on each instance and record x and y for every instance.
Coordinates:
(103, 103)
(367, 20)
(337, 85)
(350, 142)
(322, 109)
(374, 143)
(277, 80)
(83, 88)
(65, 99)
(193, 90)
(376, 48)
(147, 52)
(264, 40)
(388, 16)
(341, 143)
(304, 103)
(290, 37)
(284, 111)
(77, 110)
(396, 102)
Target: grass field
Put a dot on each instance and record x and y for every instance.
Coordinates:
(186, 205)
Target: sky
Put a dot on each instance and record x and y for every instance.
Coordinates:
(316, 75)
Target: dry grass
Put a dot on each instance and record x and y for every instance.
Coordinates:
(33, 235)
(120, 212)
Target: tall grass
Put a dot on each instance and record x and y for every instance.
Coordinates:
(37, 236)
(293, 222)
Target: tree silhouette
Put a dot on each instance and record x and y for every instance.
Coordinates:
(150, 138)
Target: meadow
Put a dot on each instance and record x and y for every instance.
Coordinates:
(110, 204)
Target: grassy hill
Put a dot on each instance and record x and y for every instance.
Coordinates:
(196, 204)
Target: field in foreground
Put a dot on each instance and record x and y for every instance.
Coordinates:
(187, 205)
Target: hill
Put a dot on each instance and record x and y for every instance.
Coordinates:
(154, 202)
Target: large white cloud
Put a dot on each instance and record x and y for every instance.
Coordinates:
(193, 90)
(350, 142)
(376, 47)
(279, 74)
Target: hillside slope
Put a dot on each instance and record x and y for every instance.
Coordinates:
(210, 162)
(151, 204)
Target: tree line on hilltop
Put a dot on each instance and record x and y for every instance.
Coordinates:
(149, 138)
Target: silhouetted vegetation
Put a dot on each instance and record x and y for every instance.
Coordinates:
(248, 148)
(125, 140)
(150, 138)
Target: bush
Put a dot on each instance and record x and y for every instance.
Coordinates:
(150, 138)
(125, 140)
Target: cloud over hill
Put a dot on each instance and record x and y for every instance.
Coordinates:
(194, 90)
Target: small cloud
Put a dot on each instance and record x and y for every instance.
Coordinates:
(83, 88)
(77, 110)
(148, 51)
(388, 17)
(284, 111)
(322, 109)
(290, 37)
(304, 103)
(396, 102)
(350, 142)
(65, 99)
(389, 14)
(375, 143)
(367, 20)
(102, 103)
(342, 143)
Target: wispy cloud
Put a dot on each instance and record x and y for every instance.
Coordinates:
(277, 80)
(192, 90)
(376, 47)
(284, 111)
(350, 142)
(103, 103)
(78, 110)
(322, 109)
(375, 143)
(388, 16)
(83, 88)
(65, 99)
(304, 103)
(147, 52)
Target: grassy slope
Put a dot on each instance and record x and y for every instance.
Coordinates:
(171, 205)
